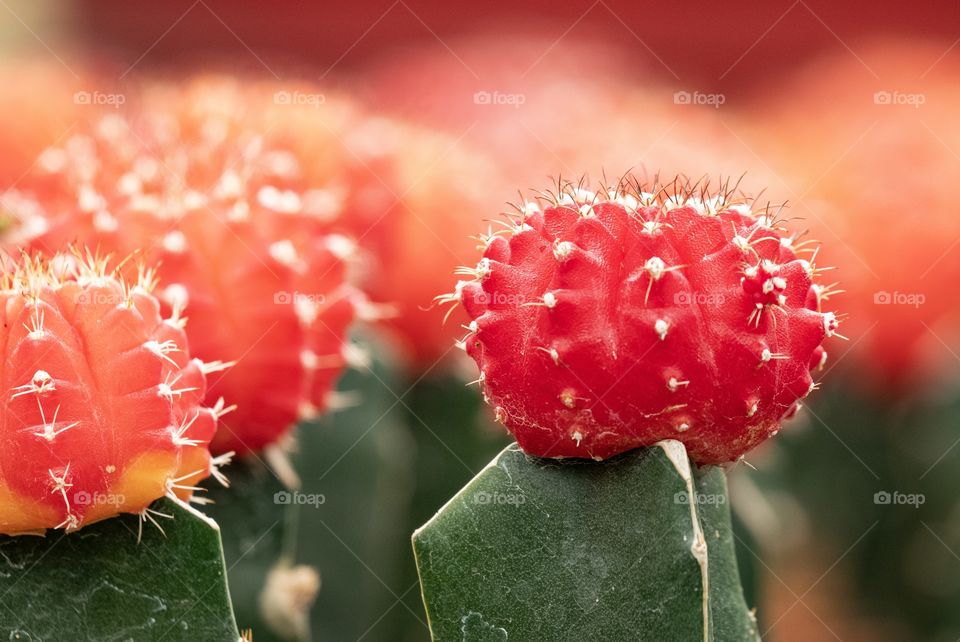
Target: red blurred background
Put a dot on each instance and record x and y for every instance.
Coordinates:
(725, 46)
(844, 110)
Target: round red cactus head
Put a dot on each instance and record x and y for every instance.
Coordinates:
(603, 321)
(102, 404)
(239, 235)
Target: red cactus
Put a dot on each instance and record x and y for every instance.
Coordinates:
(103, 405)
(400, 194)
(238, 234)
(611, 321)
(393, 187)
(380, 181)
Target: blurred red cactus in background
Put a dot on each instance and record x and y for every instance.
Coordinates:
(869, 153)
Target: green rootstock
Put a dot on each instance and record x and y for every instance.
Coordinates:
(636, 548)
(100, 584)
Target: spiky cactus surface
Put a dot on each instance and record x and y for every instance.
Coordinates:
(103, 408)
(603, 321)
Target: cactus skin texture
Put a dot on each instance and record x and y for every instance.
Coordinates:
(238, 234)
(102, 403)
(608, 321)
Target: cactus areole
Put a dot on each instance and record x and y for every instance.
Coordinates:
(604, 321)
(102, 404)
